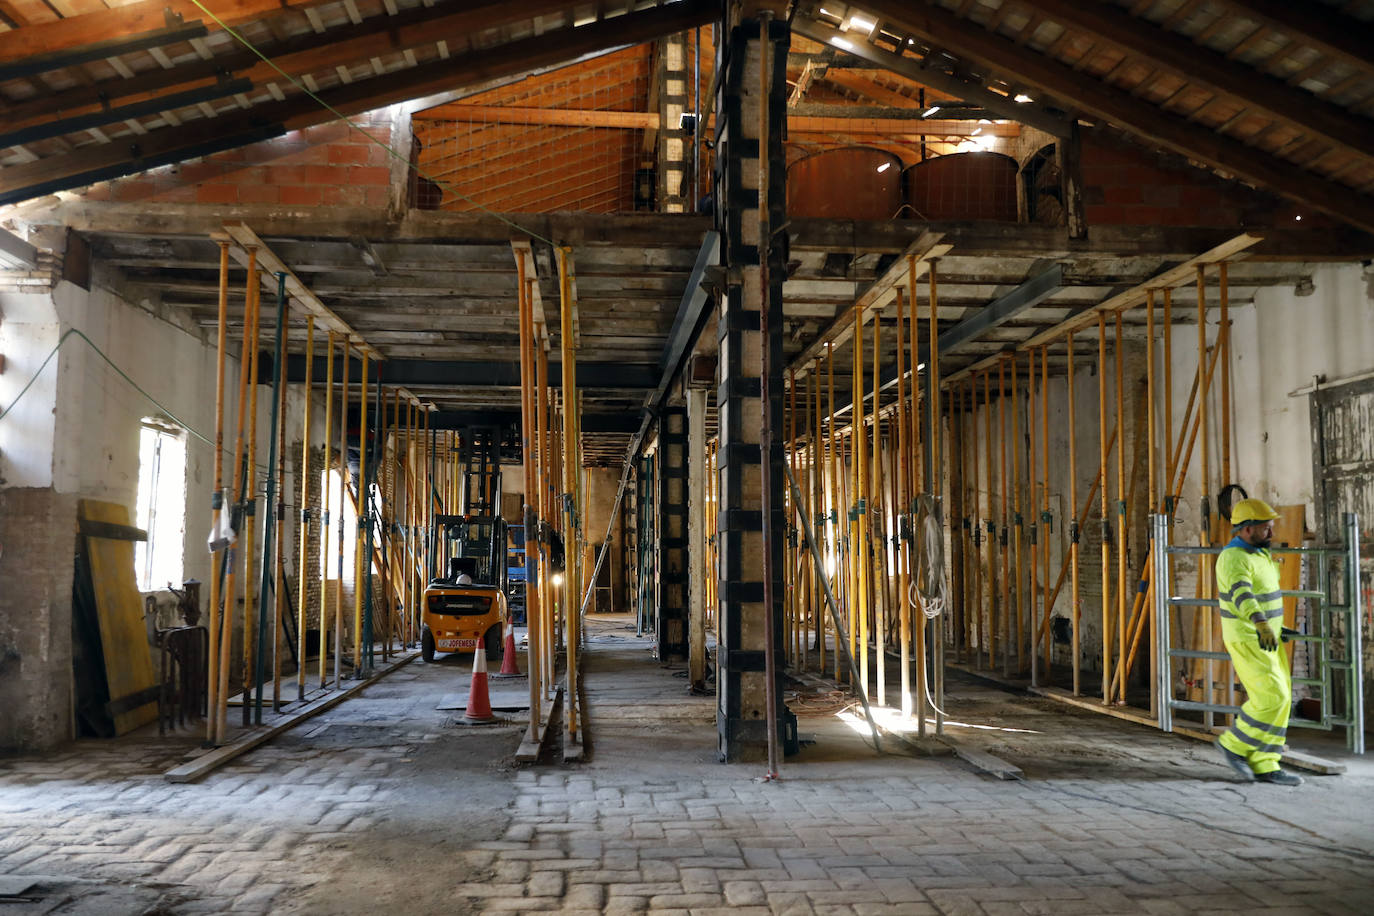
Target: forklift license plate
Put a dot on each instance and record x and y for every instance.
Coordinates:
(450, 645)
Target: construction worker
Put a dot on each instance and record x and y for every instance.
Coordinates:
(1251, 627)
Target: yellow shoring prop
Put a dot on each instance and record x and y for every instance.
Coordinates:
(325, 520)
(217, 504)
(302, 571)
(903, 500)
(278, 546)
(250, 494)
(572, 590)
(1106, 525)
(343, 501)
(1077, 525)
(876, 553)
(360, 542)
(1121, 570)
(1046, 641)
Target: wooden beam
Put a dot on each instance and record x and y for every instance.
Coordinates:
(1205, 68)
(562, 117)
(1315, 25)
(262, 122)
(271, 264)
(1001, 55)
(881, 291)
(859, 124)
(133, 19)
(1179, 275)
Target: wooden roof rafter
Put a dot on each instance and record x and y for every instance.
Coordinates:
(264, 121)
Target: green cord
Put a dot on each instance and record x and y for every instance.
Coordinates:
(124, 375)
(390, 151)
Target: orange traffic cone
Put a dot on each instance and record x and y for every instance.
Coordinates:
(479, 700)
(509, 667)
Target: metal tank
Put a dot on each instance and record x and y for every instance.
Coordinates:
(850, 183)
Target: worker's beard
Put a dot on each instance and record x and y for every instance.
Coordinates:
(1264, 544)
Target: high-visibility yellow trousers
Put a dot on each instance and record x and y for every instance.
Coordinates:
(1261, 728)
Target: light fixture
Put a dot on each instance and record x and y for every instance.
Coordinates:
(987, 141)
(930, 111)
(557, 579)
(884, 167)
(1304, 287)
(1298, 217)
(1022, 98)
(976, 131)
(920, 366)
(841, 43)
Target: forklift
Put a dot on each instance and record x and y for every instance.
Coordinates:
(465, 609)
(465, 606)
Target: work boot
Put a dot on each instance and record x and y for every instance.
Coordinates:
(1236, 762)
(1280, 778)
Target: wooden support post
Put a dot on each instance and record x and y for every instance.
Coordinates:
(1224, 344)
(859, 461)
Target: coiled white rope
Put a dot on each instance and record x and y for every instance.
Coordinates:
(928, 587)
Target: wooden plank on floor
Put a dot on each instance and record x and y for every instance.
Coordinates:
(205, 764)
(1300, 759)
(528, 751)
(985, 762)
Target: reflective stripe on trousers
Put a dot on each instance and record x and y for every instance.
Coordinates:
(1259, 731)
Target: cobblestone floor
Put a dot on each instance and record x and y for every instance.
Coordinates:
(385, 804)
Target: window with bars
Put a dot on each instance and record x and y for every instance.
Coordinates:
(161, 509)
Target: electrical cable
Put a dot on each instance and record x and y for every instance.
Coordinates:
(124, 375)
(340, 116)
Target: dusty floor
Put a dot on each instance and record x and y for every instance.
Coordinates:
(388, 804)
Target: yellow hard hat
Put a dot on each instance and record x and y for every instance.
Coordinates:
(1248, 511)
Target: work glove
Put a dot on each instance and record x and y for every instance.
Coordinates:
(1268, 640)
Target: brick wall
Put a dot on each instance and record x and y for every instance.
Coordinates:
(37, 526)
(1127, 185)
(327, 165)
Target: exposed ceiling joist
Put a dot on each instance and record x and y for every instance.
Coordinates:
(876, 296)
(1003, 55)
(247, 239)
(1178, 275)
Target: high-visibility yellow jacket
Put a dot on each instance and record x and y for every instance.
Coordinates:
(1248, 591)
